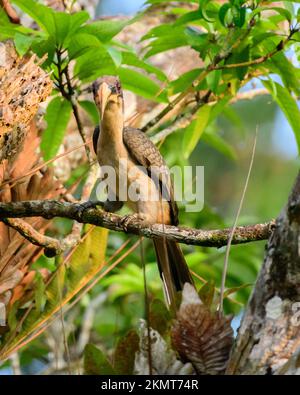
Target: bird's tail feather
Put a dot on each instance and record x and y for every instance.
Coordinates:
(173, 268)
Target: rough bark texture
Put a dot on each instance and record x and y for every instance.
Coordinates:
(270, 331)
(23, 85)
(209, 238)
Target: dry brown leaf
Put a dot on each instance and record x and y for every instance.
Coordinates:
(200, 336)
(163, 359)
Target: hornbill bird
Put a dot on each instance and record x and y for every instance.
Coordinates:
(139, 165)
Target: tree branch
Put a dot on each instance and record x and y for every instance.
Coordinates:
(52, 246)
(183, 120)
(208, 238)
(257, 61)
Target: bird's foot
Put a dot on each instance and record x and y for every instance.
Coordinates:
(131, 219)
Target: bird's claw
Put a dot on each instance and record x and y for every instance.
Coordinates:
(130, 219)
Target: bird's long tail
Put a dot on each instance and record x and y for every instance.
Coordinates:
(173, 269)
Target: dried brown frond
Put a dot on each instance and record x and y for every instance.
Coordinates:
(201, 336)
(23, 86)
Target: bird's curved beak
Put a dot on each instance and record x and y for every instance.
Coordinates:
(102, 96)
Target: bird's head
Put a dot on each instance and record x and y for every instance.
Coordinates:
(108, 94)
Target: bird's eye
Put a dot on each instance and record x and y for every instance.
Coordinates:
(118, 86)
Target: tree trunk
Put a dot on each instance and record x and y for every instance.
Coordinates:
(269, 336)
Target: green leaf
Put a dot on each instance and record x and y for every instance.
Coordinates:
(184, 81)
(57, 117)
(239, 16)
(105, 30)
(203, 5)
(91, 109)
(239, 57)
(213, 80)
(287, 71)
(219, 144)
(189, 17)
(218, 108)
(166, 1)
(207, 292)
(288, 106)
(196, 39)
(124, 355)
(233, 290)
(93, 64)
(88, 256)
(78, 19)
(290, 7)
(131, 59)
(281, 11)
(194, 131)
(23, 43)
(66, 25)
(3, 17)
(95, 362)
(39, 292)
(59, 25)
(223, 12)
(141, 85)
(62, 23)
(87, 260)
(116, 55)
(158, 31)
(44, 46)
(41, 14)
(8, 29)
(82, 43)
(173, 37)
(159, 317)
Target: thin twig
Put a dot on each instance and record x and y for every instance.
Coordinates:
(230, 239)
(68, 94)
(147, 307)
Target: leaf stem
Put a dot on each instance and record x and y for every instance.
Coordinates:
(68, 94)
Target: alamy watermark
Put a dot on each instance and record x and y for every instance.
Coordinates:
(2, 314)
(124, 184)
(296, 316)
(3, 55)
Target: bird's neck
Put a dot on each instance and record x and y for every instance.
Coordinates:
(112, 124)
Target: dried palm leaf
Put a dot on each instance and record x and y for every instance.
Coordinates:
(23, 86)
(201, 336)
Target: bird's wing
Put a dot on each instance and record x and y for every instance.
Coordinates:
(145, 154)
(96, 135)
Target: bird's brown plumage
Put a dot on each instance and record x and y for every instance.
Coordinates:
(114, 142)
